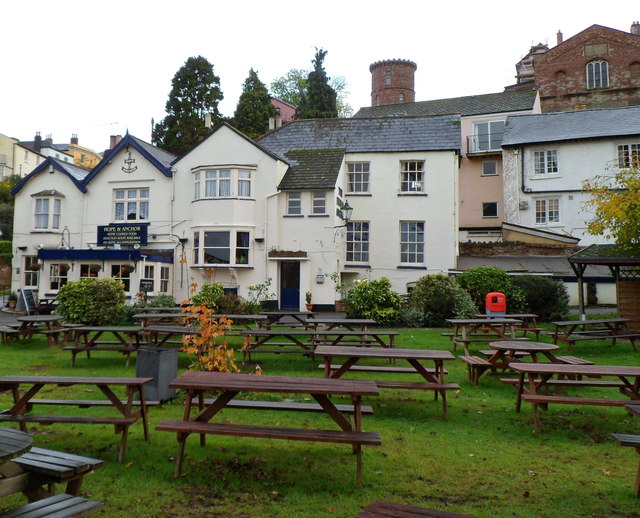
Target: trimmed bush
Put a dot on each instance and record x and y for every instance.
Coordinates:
(209, 295)
(94, 302)
(230, 304)
(484, 279)
(161, 300)
(544, 296)
(375, 300)
(439, 297)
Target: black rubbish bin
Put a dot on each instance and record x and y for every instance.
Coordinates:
(161, 364)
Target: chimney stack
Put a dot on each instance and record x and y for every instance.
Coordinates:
(113, 140)
(635, 28)
(559, 37)
(74, 139)
(207, 120)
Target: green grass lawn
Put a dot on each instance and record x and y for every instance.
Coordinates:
(484, 461)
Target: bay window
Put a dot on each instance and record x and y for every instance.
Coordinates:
(223, 247)
(223, 183)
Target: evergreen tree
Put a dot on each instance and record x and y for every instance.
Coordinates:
(195, 92)
(254, 107)
(318, 101)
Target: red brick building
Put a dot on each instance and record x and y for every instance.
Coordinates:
(392, 82)
(597, 68)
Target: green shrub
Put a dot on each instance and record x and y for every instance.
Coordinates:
(440, 297)
(412, 316)
(208, 295)
(484, 279)
(230, 304)
(545, 297)
(375, 300)
(161, 300)
(91, 301)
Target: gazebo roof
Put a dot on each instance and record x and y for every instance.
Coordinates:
(610, 255)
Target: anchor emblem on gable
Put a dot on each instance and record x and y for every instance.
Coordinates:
(129, 162)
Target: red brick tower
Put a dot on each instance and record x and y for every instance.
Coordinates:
(392, 82)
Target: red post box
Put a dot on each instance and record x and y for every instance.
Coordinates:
(496, 303)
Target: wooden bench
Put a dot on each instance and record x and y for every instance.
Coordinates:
(51, 467)
(382, 368)
(634, 442)
(578, 337)
(571, 382)
(58, 506)
(545, 399)
(77, 349)
(384, 509)
(475, 367)
(83, 403)
(286, 405)
(9, 334)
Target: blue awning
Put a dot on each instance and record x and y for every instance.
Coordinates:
(60, 254)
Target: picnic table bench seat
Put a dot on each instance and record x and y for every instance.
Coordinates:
(8, 334)
(77, 349)
(286, 405)
(545, 399)
(51, 467)
(571, 382)
(384, 509)
(268, 432)
(591, 335)
(633, 441)
(475, 366)
(58, 506)
(83, 403)
(383, 368)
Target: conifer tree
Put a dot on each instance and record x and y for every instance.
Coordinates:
(254, 107)
(318, 101)
(195, 92)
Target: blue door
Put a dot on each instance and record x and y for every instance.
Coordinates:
(290, 285)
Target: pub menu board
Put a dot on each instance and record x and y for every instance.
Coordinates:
(29, 302)
(109, 235)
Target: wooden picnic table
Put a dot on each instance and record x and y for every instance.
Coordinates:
(572, 331)
(469, 330)
(129, 410)
(505, 352)
(160, 335)
(384, 509)
(127, 341)
(13, 443)
(529, 321)
(149, 309)
(431, 379)
(48, 325)
(287, 317)
(229, 385)
(308, 339)
(246, 321)
(631, 440)
(352, 324)
(535, 378)
(167, 318)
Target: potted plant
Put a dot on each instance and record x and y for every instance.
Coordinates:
(307, 298)
(12, 300)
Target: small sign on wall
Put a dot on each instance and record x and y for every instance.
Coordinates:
(146, 285)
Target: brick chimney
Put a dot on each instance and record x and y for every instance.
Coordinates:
(635, 28)
(113, 140)
(74, 139)
(559, 38)
(37, 142)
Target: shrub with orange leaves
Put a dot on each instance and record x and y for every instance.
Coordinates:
(207, 349)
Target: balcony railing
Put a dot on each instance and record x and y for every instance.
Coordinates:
(484, 143)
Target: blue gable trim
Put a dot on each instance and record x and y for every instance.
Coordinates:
(44, 166)
(128, 141)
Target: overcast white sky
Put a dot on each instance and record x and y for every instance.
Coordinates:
(100, 68)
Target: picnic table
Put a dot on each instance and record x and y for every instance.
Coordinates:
(229, 385)
(529, 321)
(287, 317)
(308, 339)
(167, 318)
(160, 335)
(631, 440)
(129, 411)
(572, 331)
(352, 324)
(431, 379)
(384, 509)
(48, 325)
(536, 378)
(127, 341)
(469, 330)
(507, 351)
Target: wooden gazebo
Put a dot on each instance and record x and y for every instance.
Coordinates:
(624, 263)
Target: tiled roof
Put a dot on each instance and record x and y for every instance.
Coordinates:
(77, 174)
(312, 169)
(584, 124)
(465, 106)
(374, 135)
(160, 155)
(628, 254)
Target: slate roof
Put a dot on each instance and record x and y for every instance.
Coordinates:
(77, 174)
(466, 106)
(312, 169)
(576, 125)
(610, 254)
(367, 135)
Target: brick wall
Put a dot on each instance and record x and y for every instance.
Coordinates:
(561, 72)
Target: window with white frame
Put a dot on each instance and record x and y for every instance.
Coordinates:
(319, 201)
(357, 177)
(122, 272)
(547, 211)
(412, 176)
(89, 270)
(628, 155)
(357, 242)
(223, 183)
(597, 74)
(58, 275)
(147, 280)
(47, 213)
(294, 203)
(490, 168)
(221, 247)
(487, 136)
(131, 204)
(412, 242)
(490, 209)
(545, 162)
(164, 279)
(31, 271)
